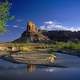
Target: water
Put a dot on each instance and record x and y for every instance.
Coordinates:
(66, 67)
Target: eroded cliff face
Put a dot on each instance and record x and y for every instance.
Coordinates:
(31, 27)
(32, 34)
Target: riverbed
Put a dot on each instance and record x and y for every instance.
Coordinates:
(66, 67)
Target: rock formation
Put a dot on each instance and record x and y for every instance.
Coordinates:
(32, 34)
(31, 27)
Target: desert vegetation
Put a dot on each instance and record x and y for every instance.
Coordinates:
(67, 47)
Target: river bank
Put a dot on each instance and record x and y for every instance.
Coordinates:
(70, 52)
(70, 48)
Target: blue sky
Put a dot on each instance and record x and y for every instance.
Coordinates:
(47, 14)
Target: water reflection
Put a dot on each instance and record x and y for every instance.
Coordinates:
(49, 69)
(31, 67)
(11, 71)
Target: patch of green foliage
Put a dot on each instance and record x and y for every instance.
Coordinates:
(51, 51)
(4, 14)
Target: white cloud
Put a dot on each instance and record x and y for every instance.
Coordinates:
(49, 22)
(51, 25)
(15, 26)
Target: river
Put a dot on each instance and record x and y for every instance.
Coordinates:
(66, 67)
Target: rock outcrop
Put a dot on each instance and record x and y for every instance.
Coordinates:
(31, 27)
(32, 34)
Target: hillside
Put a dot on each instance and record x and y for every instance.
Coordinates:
(63, 35)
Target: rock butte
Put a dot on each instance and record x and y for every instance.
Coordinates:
(32, 34)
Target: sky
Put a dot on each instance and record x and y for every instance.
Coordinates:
(47, 14)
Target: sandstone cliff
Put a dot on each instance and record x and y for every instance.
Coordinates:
(32, 34)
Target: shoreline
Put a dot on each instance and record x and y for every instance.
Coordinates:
(70, 52)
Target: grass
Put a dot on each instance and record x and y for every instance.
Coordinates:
(71, 47)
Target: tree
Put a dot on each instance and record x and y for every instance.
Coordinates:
(4, 14)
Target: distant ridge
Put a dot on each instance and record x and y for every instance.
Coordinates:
(33, 34)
